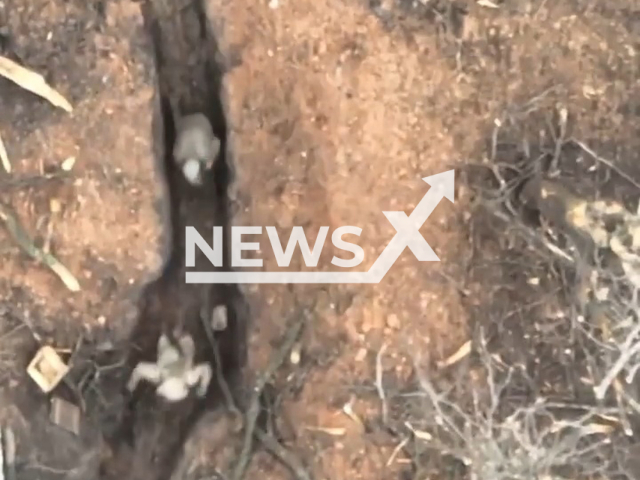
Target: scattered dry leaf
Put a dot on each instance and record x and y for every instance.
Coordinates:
(461, 353)
(33, 82)
(25, 242)
(54, 205)
(68, 164)
(348, 411)
(420, 434)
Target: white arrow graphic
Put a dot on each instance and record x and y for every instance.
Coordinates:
(407, 235)
(408, 228)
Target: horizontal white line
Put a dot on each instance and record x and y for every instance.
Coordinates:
(283, 277)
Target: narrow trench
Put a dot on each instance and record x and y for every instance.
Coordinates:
(148, 440)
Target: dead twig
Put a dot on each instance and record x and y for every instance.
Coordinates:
(560, 140)
(628, 351)
(73, 386)
(396, 451)
(33, 82)
(254, 406)
(4, 157)
(334, 432)
(461, 353)
(231, 404)
(15, 329)
(31, 180)
(531, 105)
(26, 320)
(379, 385)
(604, 161)
(22, 238)
(287, 458)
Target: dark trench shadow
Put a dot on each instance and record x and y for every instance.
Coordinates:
(147, 443)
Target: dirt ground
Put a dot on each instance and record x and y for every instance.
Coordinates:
(337, 110)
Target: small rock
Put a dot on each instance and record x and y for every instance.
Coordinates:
(296, 354)
(361, 355)
(393, 321)
(54, 205)
(68, 164)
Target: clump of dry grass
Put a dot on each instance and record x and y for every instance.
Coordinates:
(588, 249)
(499, 437)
